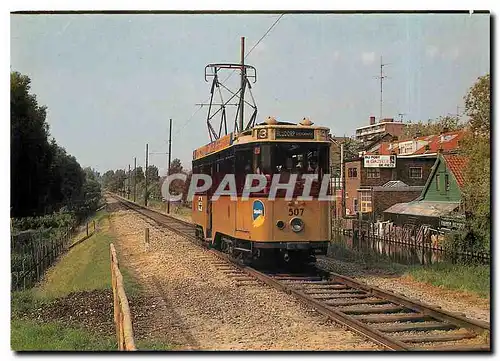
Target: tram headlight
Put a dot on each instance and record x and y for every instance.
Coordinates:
(297, 224)
(280, 224)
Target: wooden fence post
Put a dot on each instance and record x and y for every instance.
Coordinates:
(87, 226)
(146, 238)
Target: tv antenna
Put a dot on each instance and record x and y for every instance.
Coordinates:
(246, 72)
(382, 77)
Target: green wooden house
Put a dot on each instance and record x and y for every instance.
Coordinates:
(440, 197)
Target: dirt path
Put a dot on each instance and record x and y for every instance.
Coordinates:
(197, 306)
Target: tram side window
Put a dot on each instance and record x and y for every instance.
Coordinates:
(224, 166)
(243, 166)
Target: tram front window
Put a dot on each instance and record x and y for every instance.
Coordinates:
(287, 158)
(300, 158)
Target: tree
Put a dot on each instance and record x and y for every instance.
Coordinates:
(176, 186)
(107, 178)
(187, 183)
(44, 177)
(31, 153)
(476, 146)
(139, 174)
(352, 147)
(153, 174)
(432, 127)
(175, 166)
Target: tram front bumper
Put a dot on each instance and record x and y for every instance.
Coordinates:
(317, 246)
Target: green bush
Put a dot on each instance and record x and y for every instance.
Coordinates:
(463, 242)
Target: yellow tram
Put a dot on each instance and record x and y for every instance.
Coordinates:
(259, 226)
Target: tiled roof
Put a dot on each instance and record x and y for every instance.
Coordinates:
(450, 142)
(446, 141)
(456, 164)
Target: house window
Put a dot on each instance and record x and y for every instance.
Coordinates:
(366, 202)
(352, 172)
(446, 182)
(437, 182)
(416, 172)
(372, 172)
(355, 204)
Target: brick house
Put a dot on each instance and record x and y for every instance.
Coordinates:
(364, 183)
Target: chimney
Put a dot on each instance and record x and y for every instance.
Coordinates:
(372, 120)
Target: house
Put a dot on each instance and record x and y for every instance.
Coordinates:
(384, 126)
(441, 196)
(367, 180)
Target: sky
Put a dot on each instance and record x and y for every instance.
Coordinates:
(112, 82)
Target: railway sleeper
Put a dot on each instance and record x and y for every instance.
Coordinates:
(356, 302)
(455, 348)
(371, 310)
(394, 317)
(415, 326)
(324, 286)
(297, 278)
(334, 291)
(436, 338)
(342, 295)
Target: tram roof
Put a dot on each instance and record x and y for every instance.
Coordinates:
(279, 133)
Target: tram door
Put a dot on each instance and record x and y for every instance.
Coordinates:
(209, 217)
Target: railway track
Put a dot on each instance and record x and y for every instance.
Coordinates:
(391, 320)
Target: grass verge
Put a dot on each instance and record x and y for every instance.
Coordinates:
(28, 335)
(470, 278)
(85, 267)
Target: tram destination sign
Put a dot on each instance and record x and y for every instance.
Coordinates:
(294, 133)
(380, 161)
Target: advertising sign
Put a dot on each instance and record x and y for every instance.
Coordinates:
(380, 161)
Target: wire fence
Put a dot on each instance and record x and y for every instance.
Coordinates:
(34, 251)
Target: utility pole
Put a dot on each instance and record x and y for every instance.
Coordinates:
(169, 159)
(382, 77)
(128, 190)
(146, 178)
(243, 76)
(342, 177)
(135, 175)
